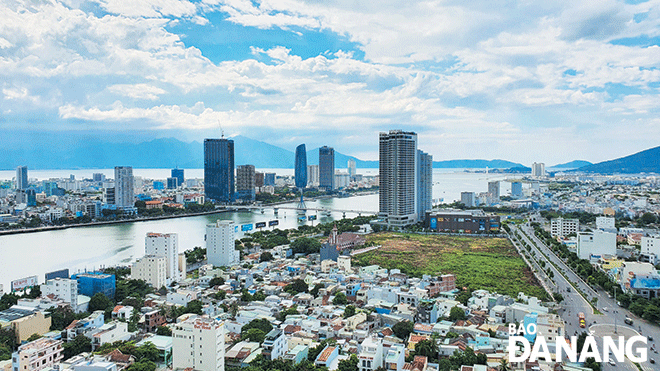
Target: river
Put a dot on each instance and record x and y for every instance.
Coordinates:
(89, 248)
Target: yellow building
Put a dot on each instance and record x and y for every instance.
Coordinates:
(25, 322)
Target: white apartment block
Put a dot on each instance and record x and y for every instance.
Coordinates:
(370, 355)
(220, 246)
(398, 180)
(151, 269)
(37, 355)
(538, 169)
(605, 222)
(563, 227)
(62, 288)
(312, 176)
(167, 245)
(111, 332)
(124, 191)
(199, 343)
(651, 245)
(596, 243)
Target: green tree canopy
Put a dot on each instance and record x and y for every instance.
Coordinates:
(403, 329)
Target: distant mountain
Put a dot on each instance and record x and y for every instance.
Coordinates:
(572, 165)
(647, 161)
(475, 164)
(75, 150)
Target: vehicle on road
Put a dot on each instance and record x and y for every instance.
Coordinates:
(628, 321)
(583, 323)
(604, 309)
(651, 339)
(612, 363)
(652, 360)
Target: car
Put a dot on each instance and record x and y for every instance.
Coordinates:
(612, 363)
(650, 338)
(604, 309)
(652, 360)
(628, 321)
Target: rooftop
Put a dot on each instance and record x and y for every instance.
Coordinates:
(14, 313)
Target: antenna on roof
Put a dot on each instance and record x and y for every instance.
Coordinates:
(222, 132)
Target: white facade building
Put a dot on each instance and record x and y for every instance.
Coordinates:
(467, 199)
(220, 246)
(370, 355)
(199, 343)
(564, 227)
(124, 193)
(151, 269)
(166, 245)
(538, 169)
(62, 288)
(312, 176)
(37, 355)
(352, 171)
(596, 243)
(605, 222)
(651, 245)
(398, 178)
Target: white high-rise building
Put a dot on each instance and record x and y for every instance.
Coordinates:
(312, 176)
(151, 269)
(199, 343)
(467, 199)
(124, 194)
(494, 191)
(165, 245)
(220, 246)
(605, 222)
(352, 171)
(398, 178)
(596, 243)
(563, 227)
(651, 245)
(62, 288)
(425, 184)
(538, 169)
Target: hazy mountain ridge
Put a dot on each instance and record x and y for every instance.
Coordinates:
(647, 161)
(572, 165)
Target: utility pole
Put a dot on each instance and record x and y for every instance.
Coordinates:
(614, 310)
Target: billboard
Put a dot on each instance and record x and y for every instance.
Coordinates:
(260, 224)
(273, 222)
(235, 229)
(23, 283)
(311, 217)
(246, 227)
(62, 273)
(434, 223)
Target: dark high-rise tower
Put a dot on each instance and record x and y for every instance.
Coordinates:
(327, 168)
(178, 174)
(398, 178)
(21, 177)
(219, 169)
(301, 166)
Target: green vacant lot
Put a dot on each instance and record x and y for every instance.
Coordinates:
(478, 263)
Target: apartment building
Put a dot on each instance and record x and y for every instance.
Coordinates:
(199, 343)
(37, 355)
(560, 227)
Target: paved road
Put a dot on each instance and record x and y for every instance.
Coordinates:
(613, 315)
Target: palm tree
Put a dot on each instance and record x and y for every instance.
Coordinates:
(504, 366)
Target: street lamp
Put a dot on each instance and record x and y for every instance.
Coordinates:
(615, 311)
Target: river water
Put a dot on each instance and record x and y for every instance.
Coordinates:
(77, 249)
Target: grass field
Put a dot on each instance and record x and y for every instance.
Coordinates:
(491, 264)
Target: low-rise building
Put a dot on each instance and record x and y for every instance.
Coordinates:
(462, 221)
(37, 355)
(275, 344)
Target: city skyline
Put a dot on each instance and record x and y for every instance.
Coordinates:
(491, 80)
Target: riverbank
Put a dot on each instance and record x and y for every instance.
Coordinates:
(152, 218)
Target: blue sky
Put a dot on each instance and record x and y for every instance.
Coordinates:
(548, 81)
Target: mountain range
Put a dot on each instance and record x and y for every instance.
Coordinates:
(65, 150)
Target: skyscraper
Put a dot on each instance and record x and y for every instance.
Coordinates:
(124, 194)
(425, 186)
(21, 177)
(538, 169)
(172, 183)
(516, 189)
(219, 169)
(352, 171)
(327, 168)
(494, 191)
(178, 173)
(301, 166)
(467, 199)
(312, 175)
(398, 178)
(220, 247)
(245, 182)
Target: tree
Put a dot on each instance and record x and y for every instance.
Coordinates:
(305, 245)
(463, 296)
(79, 344)
(592, 364)
(262, 324)
(295, 287)
(266, 257)
(648, 218)
(255, 335)
(350, 364)
(142, 366)
(99, 302)
(8, 338)
(456, 313)
(504, 366)
(315, 290)
(340, 299)
(216, 281)
(427, 348)
(163, 331)
(349, 311)
(34, 337)
(403, 329)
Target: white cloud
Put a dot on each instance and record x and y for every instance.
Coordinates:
(137, 91)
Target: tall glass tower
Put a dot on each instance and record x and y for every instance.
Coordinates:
(327, 168)
(219, 169)
(301, 172)
(398, 178)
